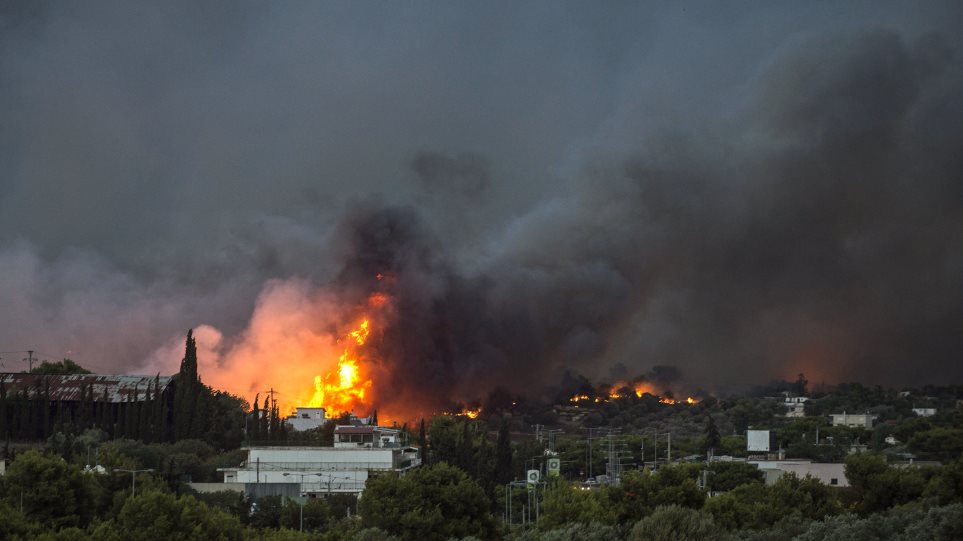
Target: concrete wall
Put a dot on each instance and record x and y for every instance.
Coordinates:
(205, 488)
(320, 482)
(259, 490)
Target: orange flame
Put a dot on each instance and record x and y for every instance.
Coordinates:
(343, 389)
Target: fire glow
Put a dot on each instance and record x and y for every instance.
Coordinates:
(640, 388)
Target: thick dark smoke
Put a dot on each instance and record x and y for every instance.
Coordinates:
(738, 195)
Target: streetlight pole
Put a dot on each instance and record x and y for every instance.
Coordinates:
(300, 496)
(133, 479)
(301, 491)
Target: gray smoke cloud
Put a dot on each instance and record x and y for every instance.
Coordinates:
(740, 192)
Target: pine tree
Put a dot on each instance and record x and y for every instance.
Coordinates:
(423, 443)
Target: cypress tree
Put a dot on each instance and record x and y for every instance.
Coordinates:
(256, 419)
(45, 404)
(503, 455)
(466, 448)
(199, 419)
(185, 393)
(264, 428)
(423, 443)
(713, 439)
(3, 410)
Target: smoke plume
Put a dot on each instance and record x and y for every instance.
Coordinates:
(741, 195)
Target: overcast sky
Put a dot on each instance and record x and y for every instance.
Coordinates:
(744, 190)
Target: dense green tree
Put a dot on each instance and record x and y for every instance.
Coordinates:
(14, 526)
(155, 515)
(876, 486)
(503, 454)
(756, 506)
(51, 491)
(65, 366)
(565, 503)
(642, 491)
(676, 523)
(432, 503)
(941, 443)
(726, 476)
(315, 512)
(267, 512)
(576, 531)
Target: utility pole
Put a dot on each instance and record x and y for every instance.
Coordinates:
(133, 479)
(29, 360)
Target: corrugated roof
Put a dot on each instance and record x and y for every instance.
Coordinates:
(66, 387)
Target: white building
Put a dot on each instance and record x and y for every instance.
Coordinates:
(306, 418)
(855, 420)
(924, 412)
(317, 471)
(354, 436)
(828, 474)
(796, 406)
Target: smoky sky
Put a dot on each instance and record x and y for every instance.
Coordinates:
(739, 191)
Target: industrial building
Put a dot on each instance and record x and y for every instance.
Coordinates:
(113, 389)
(358, 453)
(826, 473)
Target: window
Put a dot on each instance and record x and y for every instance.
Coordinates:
(834, 481)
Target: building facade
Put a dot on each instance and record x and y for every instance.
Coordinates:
(854, 420)
(321, 471)
(306, 419)
(826, 473)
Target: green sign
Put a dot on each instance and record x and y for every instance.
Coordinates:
(554, 467)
